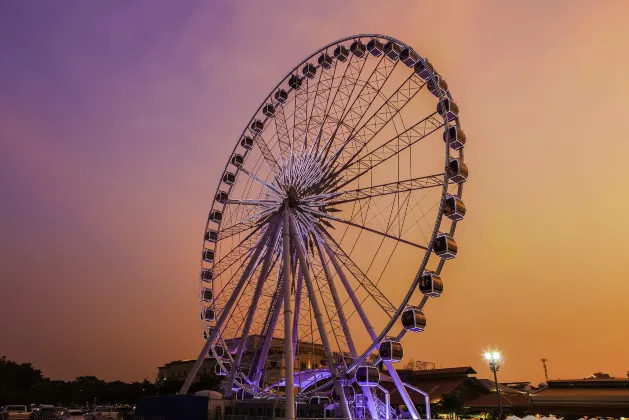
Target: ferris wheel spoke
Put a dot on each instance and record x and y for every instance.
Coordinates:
(368, 229)
(255, 370)
(393, 105)
(266, 152)
(251, 311)
(397, 187)
(336, 253)
(281, 128)
(317, 314)
(390, 149)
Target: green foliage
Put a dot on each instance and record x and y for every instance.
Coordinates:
(23, 384)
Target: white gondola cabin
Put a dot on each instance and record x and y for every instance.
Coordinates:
(409, 57)
(454, 208)
(229, 178)
(456, 137)
(207, 295)
(208, 314)
(437, 86)
(237, 160)
(392, 50)
(208, 255)
(325, 61)
(247, 143)
(341, 53)
(222, 197)
(295, 82)
(413, 319)
(445, 246)
(447, 108)
(211, 236)
(431, 284)
(216, 216)
(268, 110)
(367, 376)
(281, 96)
(256, 126)
(457, 171)
(375, 47)
(391, 351)
(207, 275)
(358, 49)
(424, 69)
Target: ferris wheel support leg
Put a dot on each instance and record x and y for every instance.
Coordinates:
(318, 316)
(289, 378)
(269, 336)
(264, 274)
(299, 287)
(225, 311)
(361, 313)
(350, 343)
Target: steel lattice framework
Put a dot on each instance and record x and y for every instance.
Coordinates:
(330, 216)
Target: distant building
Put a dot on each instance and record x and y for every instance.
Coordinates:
(607, 397)
(308, 355)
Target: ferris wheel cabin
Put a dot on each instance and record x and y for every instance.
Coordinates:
(448, 109)
(391, 351)
(457, 171)
(367, 376)
(409, 57)
(218, 369)
(229, 178)
(341, 53)
(424, 69)
(281, 96)
(237, 160)
(207, 275)
(294, 82)
(222, 197)
(257, 126)
(437, 86)
(208, 314)
(309, 71)
(375, 47)
(392, 50)
(208, 255)
(268, 110)
(358, 49)
(431, 284)
(413, 319)
(219, 351)
(246, 143)
(456, 137)
(211, 236)
(325, 61)
(207, 295)
(454, 208)
(445, 246)
(216, 216)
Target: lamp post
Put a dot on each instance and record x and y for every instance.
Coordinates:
(493, 357)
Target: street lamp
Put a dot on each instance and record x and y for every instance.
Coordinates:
(493, 357)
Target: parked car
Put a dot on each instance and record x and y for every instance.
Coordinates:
(15, 412)
(100, 413)
(45, 412)
(72, 415)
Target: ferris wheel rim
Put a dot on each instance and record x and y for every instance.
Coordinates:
(443, 195)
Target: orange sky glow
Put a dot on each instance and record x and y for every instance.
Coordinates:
(116, 120)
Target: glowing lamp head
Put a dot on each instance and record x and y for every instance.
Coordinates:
(492, 356)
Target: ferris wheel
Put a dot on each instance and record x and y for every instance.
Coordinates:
(336, 210)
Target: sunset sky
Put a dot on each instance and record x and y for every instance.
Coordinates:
(116, 119)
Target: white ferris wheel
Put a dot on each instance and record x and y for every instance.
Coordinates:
(335, 212)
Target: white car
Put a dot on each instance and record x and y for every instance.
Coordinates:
(15, 412)
(72, 415)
